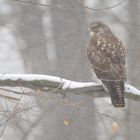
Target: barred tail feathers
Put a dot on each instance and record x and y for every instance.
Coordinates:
(116, 90)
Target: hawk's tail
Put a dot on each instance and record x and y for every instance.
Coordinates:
(116, 90)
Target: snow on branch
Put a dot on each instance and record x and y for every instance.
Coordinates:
(35, 81)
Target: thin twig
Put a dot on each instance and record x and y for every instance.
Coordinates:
(106, 8)
(70, 7)
(9, 97)
(16, 92)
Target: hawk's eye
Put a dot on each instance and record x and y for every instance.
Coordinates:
(94, 25)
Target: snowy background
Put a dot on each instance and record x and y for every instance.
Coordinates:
(52, 40)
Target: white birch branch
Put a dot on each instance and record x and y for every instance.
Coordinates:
(35, 81)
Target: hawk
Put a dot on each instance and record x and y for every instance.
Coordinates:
(106, 54)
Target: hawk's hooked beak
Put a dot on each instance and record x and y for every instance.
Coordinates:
(88, 30)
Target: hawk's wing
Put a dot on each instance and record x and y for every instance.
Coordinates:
(107, 59)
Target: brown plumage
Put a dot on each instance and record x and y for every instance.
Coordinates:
(106, 54)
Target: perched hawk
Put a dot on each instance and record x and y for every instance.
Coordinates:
(106, 54)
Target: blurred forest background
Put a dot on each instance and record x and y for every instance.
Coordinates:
(50, 37)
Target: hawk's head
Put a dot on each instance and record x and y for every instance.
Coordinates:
(97, 27)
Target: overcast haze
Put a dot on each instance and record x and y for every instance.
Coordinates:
(52, 40)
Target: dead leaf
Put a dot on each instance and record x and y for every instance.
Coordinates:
(115, 127)
(66, 122)
(38, 92)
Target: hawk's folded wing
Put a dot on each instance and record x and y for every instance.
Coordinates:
(107, 59)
